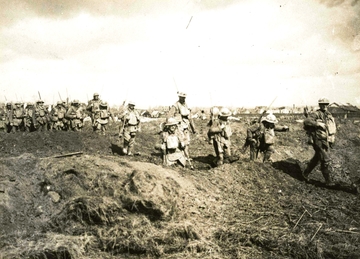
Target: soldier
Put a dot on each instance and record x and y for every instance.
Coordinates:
(214, 117)
(94, 108)
(322, 128)
(57, 117)
(130, 125)
(2, 118)
(267, 136)
(182, 113)
(29, 117)
(253, 133)
(101, 123)
(18, 115)
(172, 143)
(41, 116)
(9, 117)
(75, 114)
(221, 131)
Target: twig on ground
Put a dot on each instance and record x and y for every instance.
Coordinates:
(302, 215)
(315, 233)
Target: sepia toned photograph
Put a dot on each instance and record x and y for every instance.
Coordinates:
(217, 129)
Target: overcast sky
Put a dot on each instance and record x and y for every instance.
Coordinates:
(239, 53)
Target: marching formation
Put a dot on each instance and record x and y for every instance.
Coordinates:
(175, 135)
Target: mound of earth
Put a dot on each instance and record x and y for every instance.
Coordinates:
(73, 195)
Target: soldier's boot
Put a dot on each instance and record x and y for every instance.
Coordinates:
(129, 151)
(326, 173)
(252, 154)
(220, 160)
(267, 157)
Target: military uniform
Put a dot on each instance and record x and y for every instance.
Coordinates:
(2, 118)
(214, 118)
(57, 117)
(322, 128)
(221, 131)
(101, 123)
(172, 143)
(130, 126)
(182, 113)
(41, 116)
(94, 108)
(253, 134)
(8, 117)
(29, 117)
(18, 115)
(75, 114)
(267, 136)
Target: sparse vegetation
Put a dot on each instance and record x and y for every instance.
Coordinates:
(103, 205)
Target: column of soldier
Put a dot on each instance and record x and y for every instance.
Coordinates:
(175, 134)
(17, 117)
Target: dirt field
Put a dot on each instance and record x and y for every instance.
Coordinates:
(100, 204)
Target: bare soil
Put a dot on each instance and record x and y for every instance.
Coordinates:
(100, 204)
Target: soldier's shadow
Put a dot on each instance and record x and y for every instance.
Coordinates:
(209, 160)
(294, 168)
(116, 149)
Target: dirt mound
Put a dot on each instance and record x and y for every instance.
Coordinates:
(99, 204)
(81, 204)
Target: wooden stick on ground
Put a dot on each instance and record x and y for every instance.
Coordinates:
(69, 154)
(315, 233)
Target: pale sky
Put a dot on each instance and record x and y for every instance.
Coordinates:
(241, 53)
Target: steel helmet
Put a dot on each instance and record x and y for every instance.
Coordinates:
(215, 110)
(40, 101)
(323, 101)
(181, 94)
(131, 103)
(59, 103)
(171, 121)
(96, 94)
(225, 112)
(103, 104)
(75, 102)
(271, 118)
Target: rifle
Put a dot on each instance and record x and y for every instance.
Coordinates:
(39, 95)
(60, 97)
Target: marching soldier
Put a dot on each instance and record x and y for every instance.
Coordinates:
(322, 128)
(2, 118)
(101, 123)
(18, 115)
(75, 114)
(221, 132)
(29, 119)
(57, 117)
(94, 108)
(41, 116)
(172, 143)
(9, 117)
(182, 113)
(130, 126)
(214, 117)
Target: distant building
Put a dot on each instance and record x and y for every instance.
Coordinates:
(343, 108)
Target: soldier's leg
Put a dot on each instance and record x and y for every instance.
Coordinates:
(312, 163)
(269, 150)
(252, 151)
(131, 144)
(325, 165)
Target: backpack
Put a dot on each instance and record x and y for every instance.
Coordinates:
(331, 129)
(172, 142)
